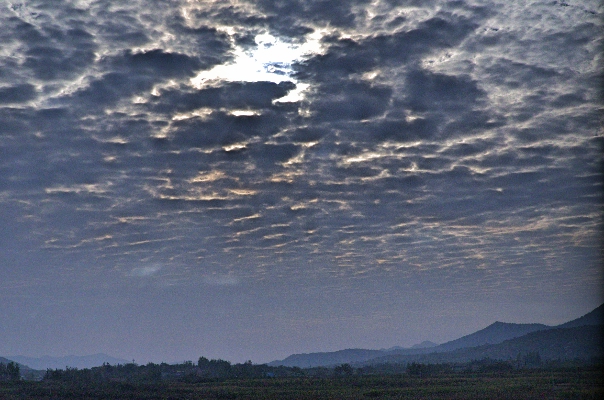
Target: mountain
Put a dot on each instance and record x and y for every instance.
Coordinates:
(595, 317)
(581, 342)
(25, 370)
(424, 345)
(46, 362)
(4, 360)
(328, 358)
(492, 334)
(480, 344)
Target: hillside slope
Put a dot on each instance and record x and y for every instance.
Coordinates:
(493, 334)
(328, 358)
(583, 342)
(497, 332)
(25, 370)
(595, 317)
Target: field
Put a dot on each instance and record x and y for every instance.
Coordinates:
(528, 384)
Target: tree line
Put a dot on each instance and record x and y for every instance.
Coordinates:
(203, 370)
(216, 370)
(10, 371)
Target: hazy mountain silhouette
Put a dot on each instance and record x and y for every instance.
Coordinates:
(5, 361)
(595, 317)
(492, 334)
(581, 342)
(328, 358)
(579, 338)
(424, 345)
(23, 369)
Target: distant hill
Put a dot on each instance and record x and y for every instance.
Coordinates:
(25, 370)
(46, 362)
(328, 358)
(424, 345)
(595, 317)
(492, 334)
(582, 342)
(4, 360)
(476, 345)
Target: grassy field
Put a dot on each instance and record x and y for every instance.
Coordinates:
(531, 384)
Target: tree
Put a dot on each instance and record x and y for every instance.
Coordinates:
(415, 369)
(343, 369)
(203, 362)
(13, 371)
(532, 359)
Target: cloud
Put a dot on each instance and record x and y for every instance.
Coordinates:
(428, 91)
(221, 280)
(352, 101)
(154, 63)
(131, 74)
(17, 94)
(230, 96)
(145, 271)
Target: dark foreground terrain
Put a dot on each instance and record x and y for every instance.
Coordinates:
(567, 383)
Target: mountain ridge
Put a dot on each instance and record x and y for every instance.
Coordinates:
(304, 360)
(494, 334)
(580, 342)
(594, 317)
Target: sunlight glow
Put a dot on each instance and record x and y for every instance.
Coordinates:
(244, 113)
(270, 61)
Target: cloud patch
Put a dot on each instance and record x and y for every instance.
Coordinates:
(144, 272)
(221, 280)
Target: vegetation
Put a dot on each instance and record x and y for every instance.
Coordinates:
(219, 379)
(10, 372)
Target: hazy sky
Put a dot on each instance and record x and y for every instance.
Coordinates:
(251, 179)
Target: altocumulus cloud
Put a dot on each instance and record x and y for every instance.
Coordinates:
(221, 280)
(296, 164)
(145, 271)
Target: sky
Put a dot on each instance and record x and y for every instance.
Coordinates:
(245, 179)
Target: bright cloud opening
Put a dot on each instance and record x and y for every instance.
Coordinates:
(270, 61)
